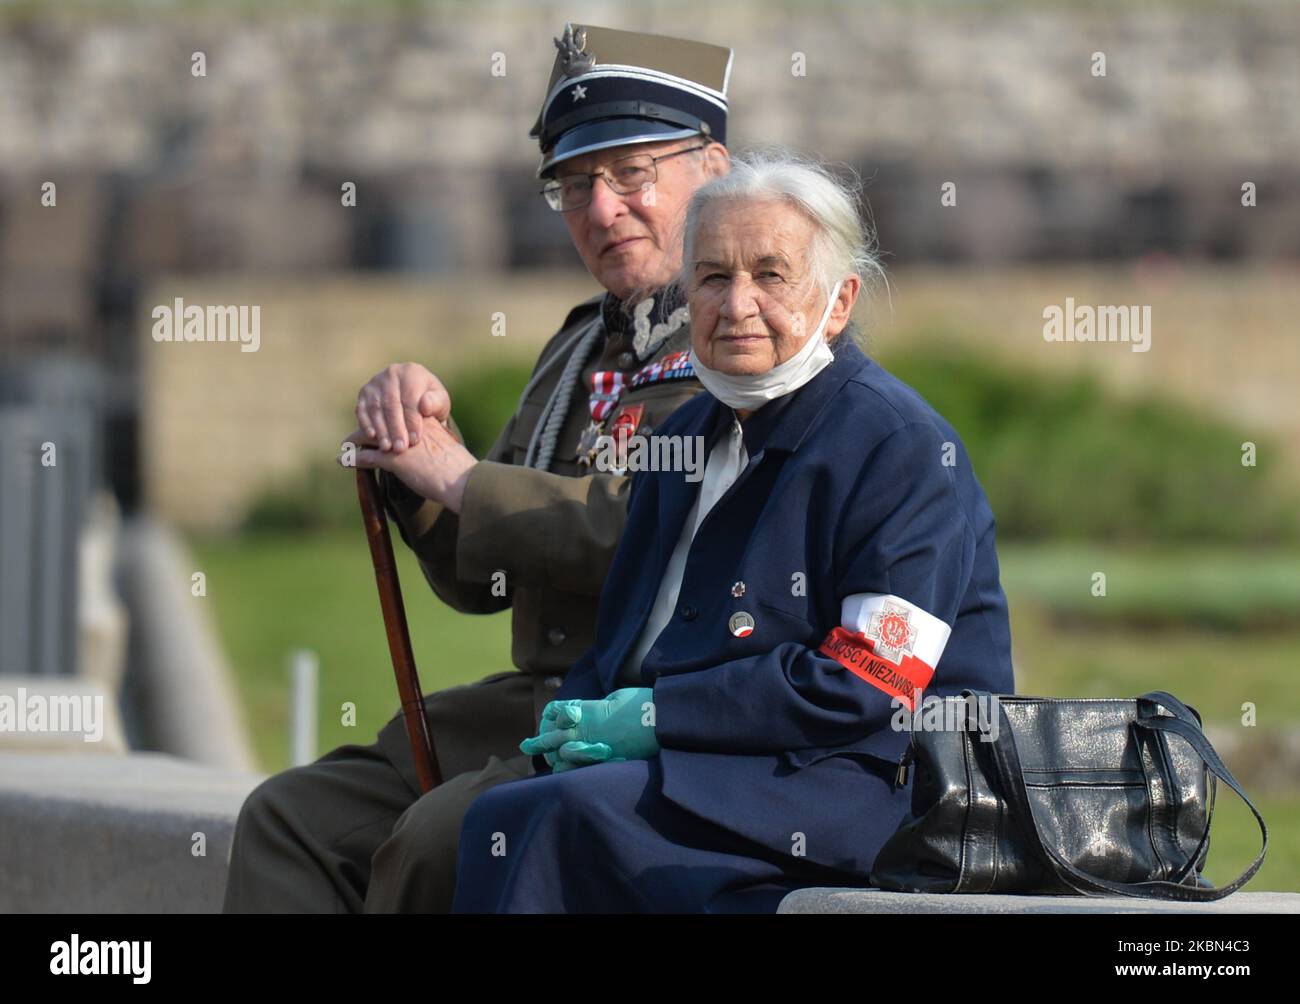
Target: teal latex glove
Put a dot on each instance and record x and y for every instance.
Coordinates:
(579, 754)
(613, 728)
(571, 754)
(547, 724)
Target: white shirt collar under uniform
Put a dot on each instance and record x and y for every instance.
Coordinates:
(726, 460)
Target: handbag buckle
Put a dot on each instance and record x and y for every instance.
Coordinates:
(904, 766)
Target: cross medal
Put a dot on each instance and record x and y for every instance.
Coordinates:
(587, 442)
(606, 389)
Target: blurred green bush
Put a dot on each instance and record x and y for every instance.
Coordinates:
(323, 496)
(1059, 456)
(1062, 458)
(482, 401)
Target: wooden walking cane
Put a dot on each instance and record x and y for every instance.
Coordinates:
(399, 640)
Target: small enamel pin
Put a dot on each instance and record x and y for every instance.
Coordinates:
(741, 624)
(738, 590)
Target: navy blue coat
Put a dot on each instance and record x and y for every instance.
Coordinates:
(856, 484)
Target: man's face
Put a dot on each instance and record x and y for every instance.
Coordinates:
(632, 242)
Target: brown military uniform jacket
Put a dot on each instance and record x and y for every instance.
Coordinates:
(552, 533)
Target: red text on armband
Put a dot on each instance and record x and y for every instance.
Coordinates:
(856, 653)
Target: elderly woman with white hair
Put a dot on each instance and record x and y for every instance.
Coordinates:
(734, 733)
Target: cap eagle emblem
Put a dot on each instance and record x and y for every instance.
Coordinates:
(573, 60)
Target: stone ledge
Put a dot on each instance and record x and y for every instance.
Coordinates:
(828, 900)
(183, 691)
(86, 833)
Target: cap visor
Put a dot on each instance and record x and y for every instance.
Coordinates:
(605, 133)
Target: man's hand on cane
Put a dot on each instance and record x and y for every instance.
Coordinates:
(393, 404)
(394, 435)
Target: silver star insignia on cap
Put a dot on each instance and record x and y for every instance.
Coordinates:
(579, 92)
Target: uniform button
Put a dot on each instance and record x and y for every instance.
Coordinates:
(688, 612)
(556, 636)
(625, 360)
(553, 682)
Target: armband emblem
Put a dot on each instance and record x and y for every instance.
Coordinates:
(892, 644)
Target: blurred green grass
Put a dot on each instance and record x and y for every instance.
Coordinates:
(1234, 841)
(1213, 588)
(276, 592)
(1214, 627)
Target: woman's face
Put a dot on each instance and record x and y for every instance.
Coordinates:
(751, 292)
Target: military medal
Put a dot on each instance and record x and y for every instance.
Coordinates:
(606, 389)
(623, 428)
(674, 366)
(587, 442)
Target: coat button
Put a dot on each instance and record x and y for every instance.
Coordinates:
(625, 360)
(553, 682)
(556, 636)
(688, 612)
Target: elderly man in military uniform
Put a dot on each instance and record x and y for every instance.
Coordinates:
(631, 126)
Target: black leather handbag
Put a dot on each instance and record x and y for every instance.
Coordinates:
(1064, 797)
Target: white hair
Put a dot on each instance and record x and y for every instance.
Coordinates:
(842, 245)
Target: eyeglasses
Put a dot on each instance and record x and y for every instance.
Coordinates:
(625, 176)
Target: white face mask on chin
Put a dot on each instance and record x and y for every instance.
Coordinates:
(749, 393)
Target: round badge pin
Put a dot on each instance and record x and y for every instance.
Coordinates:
(741, 624)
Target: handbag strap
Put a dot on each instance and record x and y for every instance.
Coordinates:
(1185, 723)
(1146, 706)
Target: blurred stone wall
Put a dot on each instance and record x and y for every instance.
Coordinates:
(171, 184)
(242, 167)
(218, 424)
(386, 89)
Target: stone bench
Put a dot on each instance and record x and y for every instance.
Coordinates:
(828, 900)
(95, 833)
